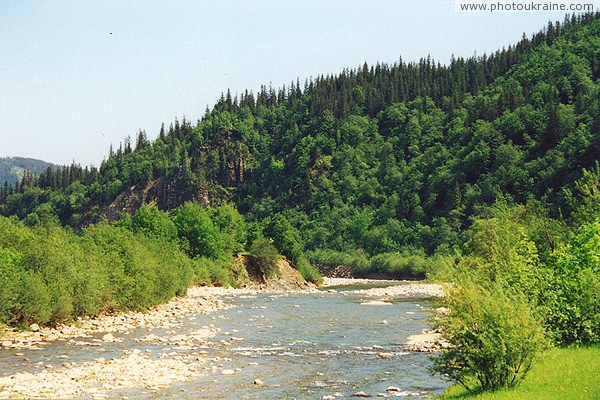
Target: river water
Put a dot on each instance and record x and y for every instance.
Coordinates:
(299, 345)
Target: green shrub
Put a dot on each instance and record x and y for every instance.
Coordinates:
(220, 273)
(410, 263)
(152, 222)
(309, 271)
(198, 234)
(201, 271)
(572, 308)
(401, 264)
(50, 275)
(285, 238)
(215, 272)
(493, 337)
(266, 256)
(232, 226)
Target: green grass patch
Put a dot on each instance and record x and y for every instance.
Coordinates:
(571, 373)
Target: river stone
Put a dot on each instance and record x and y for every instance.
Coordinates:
(34, 327)
(385, 355)
(108, 338)
(258, 382)
(375, 303)
(228, 372)
(361, 394)
(393, 389)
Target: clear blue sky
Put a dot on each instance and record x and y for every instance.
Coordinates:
(76, 76)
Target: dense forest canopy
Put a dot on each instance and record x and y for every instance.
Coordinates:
(381, 159)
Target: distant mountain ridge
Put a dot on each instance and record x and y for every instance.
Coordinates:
(13, 168)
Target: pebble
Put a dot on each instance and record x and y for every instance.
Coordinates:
(228, 372)
(375, 303)
(258, 382)
(108, 338)
(361, 394)
(385, 356)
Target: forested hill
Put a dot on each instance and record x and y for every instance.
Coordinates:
(13, 169)
(377, 159)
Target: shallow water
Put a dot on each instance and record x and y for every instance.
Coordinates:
(307, 346)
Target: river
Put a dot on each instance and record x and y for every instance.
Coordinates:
(275, 346)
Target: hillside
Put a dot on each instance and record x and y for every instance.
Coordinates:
(12, 169)
(376, 160)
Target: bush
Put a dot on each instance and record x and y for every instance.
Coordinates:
(152, 222)
(309, 271)
(409, 263)
(49, 275)
(572, 308)
(198, 234)
(493, 337)
(357, 261)
(215, 272)
(401, 264)
(285, 238)
(231, 225)
(266, 256)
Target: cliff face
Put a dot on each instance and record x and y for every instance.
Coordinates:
(286, 278)
(165, 194)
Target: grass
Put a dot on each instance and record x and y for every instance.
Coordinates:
(560, 374)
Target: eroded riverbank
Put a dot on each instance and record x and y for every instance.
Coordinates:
(201, 346)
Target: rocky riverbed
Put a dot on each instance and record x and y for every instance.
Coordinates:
(189, 355)
(199, 300)
(390, 289)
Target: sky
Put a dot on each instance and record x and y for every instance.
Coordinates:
(77, 76)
